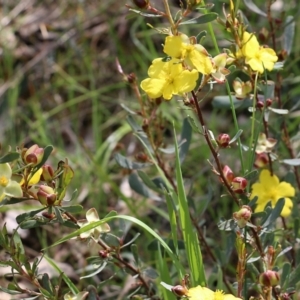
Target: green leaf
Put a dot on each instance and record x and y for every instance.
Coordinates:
(74, 209)
(203, 19)
(224, 102)
(9, 157)
(186, 135)
(8, 291)
(66, 279)
(148, 182)
(128, 164)
(254, 8)
(28, 215)
(288, 34)
(173, 257)
(268, 88)
(294, 277)
(137, 129)
(286, 271)
(150, 273)
(190, 238)
(276, 211)
(46, 283)
(98, 270)
(136, 255)
(140, 188)
(238, 134)
(128, 109)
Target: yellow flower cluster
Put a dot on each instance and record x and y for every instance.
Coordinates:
(256, 56)
(179, 74)
(203, 293)
(270, 189)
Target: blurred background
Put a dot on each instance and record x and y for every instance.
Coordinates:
(59, 85)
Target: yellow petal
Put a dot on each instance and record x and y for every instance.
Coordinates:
(153, 87)
(267, 180)
(173, 46)
(255, 64)
(250, 45)
(287, 209)
(186, 81)
(158, 68)
(201, 62)
(285, 189)
(257, 190)
(168, 91)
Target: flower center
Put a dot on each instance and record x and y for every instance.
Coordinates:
(3, 181)
(273, 195)
(219, 295)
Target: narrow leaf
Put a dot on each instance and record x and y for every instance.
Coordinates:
(9, 157)
(128, 164)
(254, 8)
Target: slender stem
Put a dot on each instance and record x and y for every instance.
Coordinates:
(169, 16)
(252, 153)
(212, 149)
(236, 125)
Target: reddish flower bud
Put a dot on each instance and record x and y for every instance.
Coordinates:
(33, 155)
(131, 78)
(261, 160)
(269, 278)
(223, 140)
(48, 216)
(46, 195)
(228, 174)
(48, 173)
(103, 254)
(259, 104)
(239, 184)
(179, 290)
(243, 216)
(142, 157)
(141, 3)
(269, 102)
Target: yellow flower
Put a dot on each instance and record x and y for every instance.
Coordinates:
(34, 179)
(219, 72)
(203, 293)
(8, 187)
(168, 78)
(257, 57)
(194, 55)
(270, 189)
(91, 217)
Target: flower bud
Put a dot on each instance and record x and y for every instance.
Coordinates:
(103, 254)
(259, 104)
(179, 290)
(47, 173)
(243, 215)
(141, 3)
(223, 140)
(269, 278)
(269, 102)
(261, 160)
(228, 174)
(47, 215)
(239, 184)
(241, 89)
(131, 78)
(46, 195)
(33, 155)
